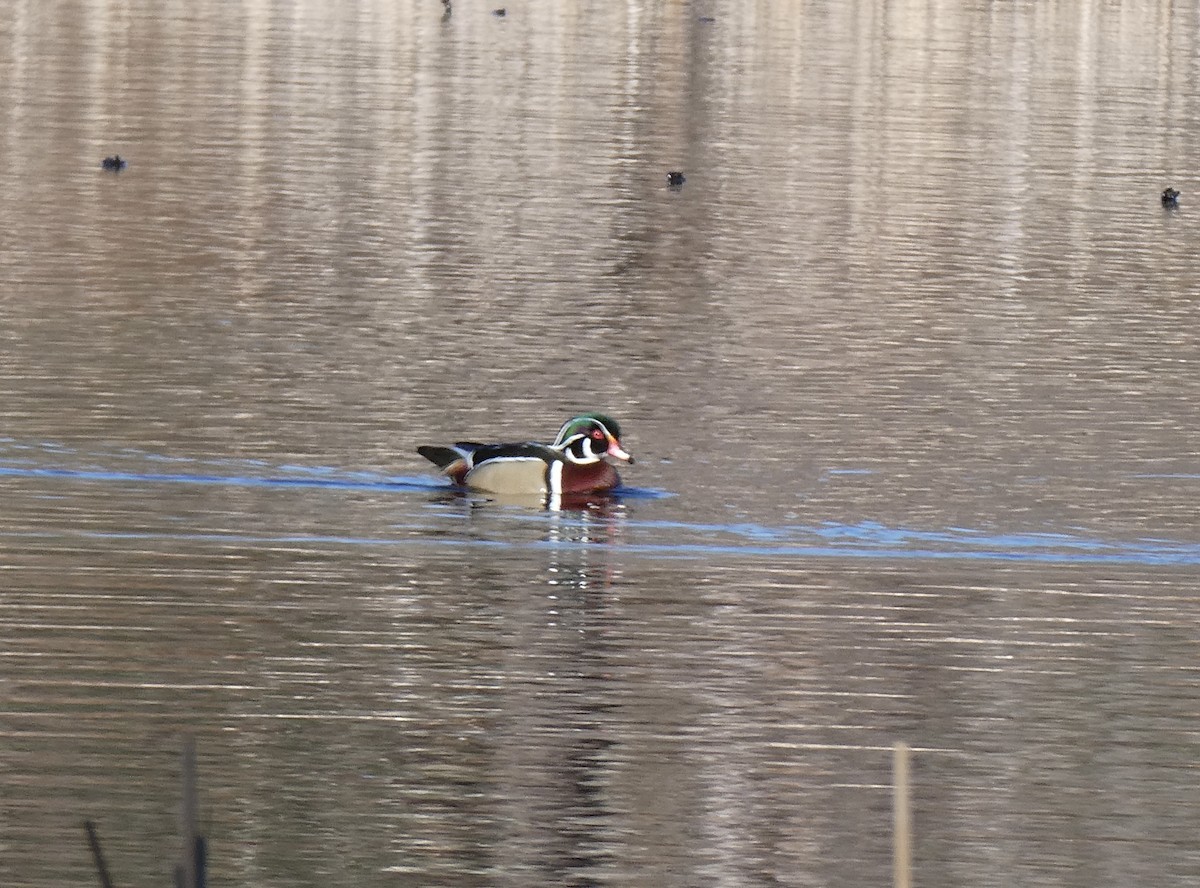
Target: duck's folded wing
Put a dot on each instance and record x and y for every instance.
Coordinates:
(481, 453)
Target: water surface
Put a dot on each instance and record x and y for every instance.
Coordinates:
(908, 363)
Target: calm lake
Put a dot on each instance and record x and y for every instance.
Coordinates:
(910, 364)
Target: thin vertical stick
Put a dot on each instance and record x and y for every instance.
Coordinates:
(188, 814)
(97, 854)
(901, 819)
(201, 853)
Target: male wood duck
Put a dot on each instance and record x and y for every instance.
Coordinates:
(573, 464)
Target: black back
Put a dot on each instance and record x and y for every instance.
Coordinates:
(482, 452)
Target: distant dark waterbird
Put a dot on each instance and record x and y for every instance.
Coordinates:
(675, 178)
(1170, 197)
(114, 164)
(500, 11)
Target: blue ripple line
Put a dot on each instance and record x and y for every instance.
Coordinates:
(1181, 555)
(299, 476)
(872, 539)
(378, 483)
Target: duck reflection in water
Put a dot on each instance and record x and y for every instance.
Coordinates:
(594, 505)
(554, 729)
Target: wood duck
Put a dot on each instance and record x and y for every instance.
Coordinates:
(573, 464)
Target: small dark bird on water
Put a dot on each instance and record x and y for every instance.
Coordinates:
(675, 178)
(448, 8)
(1170, 197)
(114, 163)
(500, 11)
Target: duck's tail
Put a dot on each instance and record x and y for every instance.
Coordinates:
(453, 461)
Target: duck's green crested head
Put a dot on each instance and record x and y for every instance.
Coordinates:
(589, 436)
(585, 422)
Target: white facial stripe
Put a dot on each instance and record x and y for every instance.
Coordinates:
(562, 431)
(589, 454)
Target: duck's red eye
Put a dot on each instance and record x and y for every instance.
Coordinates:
(598, 434)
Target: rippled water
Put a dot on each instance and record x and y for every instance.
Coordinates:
(909, 364)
